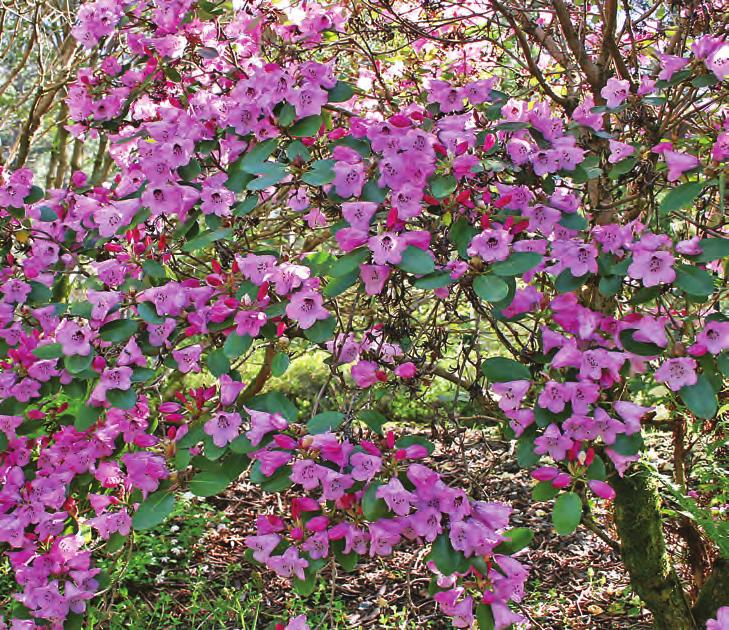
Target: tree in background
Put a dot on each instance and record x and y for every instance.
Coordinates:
(405, 186)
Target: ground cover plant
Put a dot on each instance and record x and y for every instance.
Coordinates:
(513, 214)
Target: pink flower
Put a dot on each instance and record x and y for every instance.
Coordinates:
(364, 373)
(187, 358)
(491, 245)
(619, 151)
(349, 179)
(406, 370)
(615, 92)
(374, 277)
(679, 163)
(229, 390)
(288, 564)
(306, 307)
(670, 64)
(74, 339)
(652, 268)
(386, 248)
(718, 61)
(715, 336)
(359, 213)
(677, 373)
(510, 394)
(722, 620)
(552, 442)
(223, 427)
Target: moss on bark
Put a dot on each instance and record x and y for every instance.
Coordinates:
(643, 548)
(714, 594)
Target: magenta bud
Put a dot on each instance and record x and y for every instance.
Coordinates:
(602, 489)
(545, 473)
(562, 480)
(285, 441)
(317, 524)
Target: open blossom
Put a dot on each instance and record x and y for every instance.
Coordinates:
(619, 151)
(677, 373)
(552, 442)
(374, 277)
(223, 427)
(652, 268)
(306, 307)
(615, 92)
(678, 163)
(722, 620)
(491, 245)
(510, 394)
(714, 336)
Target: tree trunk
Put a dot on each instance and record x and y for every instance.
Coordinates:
(643, 548)
(714, 594)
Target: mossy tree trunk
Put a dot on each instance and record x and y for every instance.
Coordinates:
(643, 548)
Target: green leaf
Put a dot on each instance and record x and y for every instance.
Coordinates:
(567, 513)
(544, 491)
(628, 444)
(573, 221)
(597, 469)
(622, 167)
(410, 440)
(218, 363)
(190, 171)
(236, 345)
(322, 330)
(253, 159)
(681, 197)
(416, 261)
(712, 249)
(307, 126)
(275, 402)
(340, 284)
(206, 238)
(373, 419)
(280, 364)
(694, 281)
(372, 507)
(490, 288)
(642, 348)
(209, 483)
(48, 351)
(446, 558)
(443, 185)
(517, 264)
(341, 92)
(700, 398)
(149, 314)
(77, 363)
(320, 173)
(519, 538)
(566, 282)
(350, 262)
(119, 330)
(485, 617)
(434, 280)
(36, 194)
(268, 174)
(86, 417)
(503, 370)
(326, 421)
(121, 399)
(153, 510)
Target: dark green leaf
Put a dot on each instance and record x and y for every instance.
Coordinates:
(206, 238)
(280, 364)
(416, 261)
(209, 482)
(681, 197)
(121, 399)
(694, 281)
(306, 127)
(443, 185)
(326, 421)
(322, 330)
(503, 370)
(341, 92)
(517, 264)
(119, 330)
(700, 398)
(153, 510)
(490, 288)
(567, 513)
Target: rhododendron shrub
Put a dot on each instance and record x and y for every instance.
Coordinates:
(268, 188)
